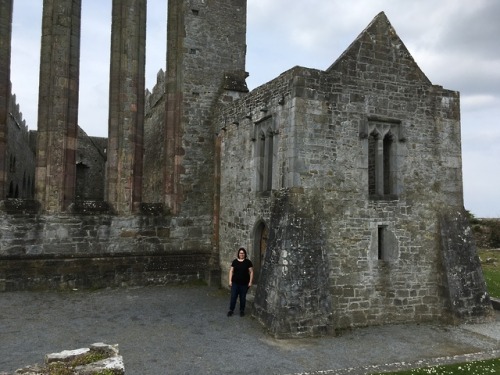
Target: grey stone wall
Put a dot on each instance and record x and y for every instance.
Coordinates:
(383, 253)
(90, 167)
(88, 233)
(464, 284)
(208, 42)
(92, 251)
(20, 157)
(154, 142)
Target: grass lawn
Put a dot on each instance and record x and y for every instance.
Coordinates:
(490, 260)
(491, 366)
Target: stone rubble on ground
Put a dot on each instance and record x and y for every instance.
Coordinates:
(113, 363)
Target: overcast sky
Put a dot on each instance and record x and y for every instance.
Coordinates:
(455, 42)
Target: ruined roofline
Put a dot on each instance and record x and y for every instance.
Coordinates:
(379, 19)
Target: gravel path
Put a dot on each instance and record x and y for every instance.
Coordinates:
(185, 330)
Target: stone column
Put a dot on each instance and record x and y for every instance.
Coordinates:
(173, 104)
(58, 104)
(126, 107)
(5, 49)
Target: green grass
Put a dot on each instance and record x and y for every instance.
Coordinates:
(491, 366)
(490, 260)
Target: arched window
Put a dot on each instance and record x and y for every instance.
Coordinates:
(264, 155)
(382, 166)
(261, 161)
(268, 161)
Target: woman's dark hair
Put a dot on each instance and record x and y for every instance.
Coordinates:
(241, 249)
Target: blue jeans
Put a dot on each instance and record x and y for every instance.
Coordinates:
(241, 291)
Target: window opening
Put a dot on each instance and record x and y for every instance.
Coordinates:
(382, 251)
(382, 171)
(387, 164)
(268, 163)
(261, 162)
(372, 152)
(264, 155)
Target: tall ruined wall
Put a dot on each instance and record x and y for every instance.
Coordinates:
(206, 42)
(90, 167)
(20, 157)
(79, 237)
(154, 142)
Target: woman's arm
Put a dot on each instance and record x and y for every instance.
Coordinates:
(231, 275)
(250, 270)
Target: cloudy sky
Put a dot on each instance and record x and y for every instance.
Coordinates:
(455, 42)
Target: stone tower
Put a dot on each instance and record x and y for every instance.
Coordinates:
(205, 54)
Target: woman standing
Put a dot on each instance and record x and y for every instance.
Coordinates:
(240, 279)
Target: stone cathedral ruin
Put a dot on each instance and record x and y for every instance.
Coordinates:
(345, 184)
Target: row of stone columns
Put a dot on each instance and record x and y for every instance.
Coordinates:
(55, 178)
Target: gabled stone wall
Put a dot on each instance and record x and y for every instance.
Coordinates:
(338, 255)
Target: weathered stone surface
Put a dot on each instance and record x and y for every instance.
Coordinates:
(70, 358)
(58, 105)
(126, 107)
(66, 355)
(6, 11)
(464, 282)
(294, 298)
(310, 134)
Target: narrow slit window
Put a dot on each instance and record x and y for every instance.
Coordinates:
(387, 162)
(268, 161)
(261, 165)
(382, 250)
(264, 156)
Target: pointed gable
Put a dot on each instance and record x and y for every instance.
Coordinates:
(379, 53)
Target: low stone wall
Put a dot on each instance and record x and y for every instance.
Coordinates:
(100, 250)
(91, 272)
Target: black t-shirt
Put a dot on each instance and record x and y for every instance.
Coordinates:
(241, 275)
